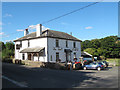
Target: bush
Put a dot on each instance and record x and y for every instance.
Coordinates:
(103, 57)
(7, 60)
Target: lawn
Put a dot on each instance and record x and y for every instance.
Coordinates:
(114, 61)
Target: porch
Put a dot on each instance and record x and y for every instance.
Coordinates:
(34, 54)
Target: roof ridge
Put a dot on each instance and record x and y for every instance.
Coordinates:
(51, 33)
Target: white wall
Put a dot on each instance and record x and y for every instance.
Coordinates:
(62, 44)
(41, 42)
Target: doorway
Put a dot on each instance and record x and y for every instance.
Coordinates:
(29, 56)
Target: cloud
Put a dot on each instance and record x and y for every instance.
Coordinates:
(1, 23)
(63, 23)
(7, 15)
(1, 33)
(34, 27)
(19, 30)
(0, 28)
(8, 40)
(44, 28)
(88, 27)
(9, 23)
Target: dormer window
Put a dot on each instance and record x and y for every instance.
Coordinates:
(57, 43)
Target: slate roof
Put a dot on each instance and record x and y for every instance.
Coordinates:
(49, 33)
(32, 50)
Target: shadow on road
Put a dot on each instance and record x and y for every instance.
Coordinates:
(46, 78)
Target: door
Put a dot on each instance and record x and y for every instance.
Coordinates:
(29, 56)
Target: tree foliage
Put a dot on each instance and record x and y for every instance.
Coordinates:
(7, 49)
(108, 47)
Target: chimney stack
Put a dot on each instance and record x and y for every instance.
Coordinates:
(26, 32)
(39, 30)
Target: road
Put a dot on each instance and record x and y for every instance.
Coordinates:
(19, 76)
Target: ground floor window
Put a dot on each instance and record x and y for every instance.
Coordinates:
(57, 56)
(51, 58)
(23, 56)
(74, 55)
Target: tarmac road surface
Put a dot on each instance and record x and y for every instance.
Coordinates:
(20, 76)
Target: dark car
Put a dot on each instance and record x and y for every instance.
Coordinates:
(95, 65)
(105, 63)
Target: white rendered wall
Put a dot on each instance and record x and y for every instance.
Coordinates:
(62, 44)
(41, 42)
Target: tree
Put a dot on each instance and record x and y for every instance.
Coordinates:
(108, 47)
(2, 46)
(92, 51)
(95, 43)
(7, 49)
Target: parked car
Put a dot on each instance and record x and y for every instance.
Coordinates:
(94, 65)
(105, 63)
(77, 64)
(87, 62)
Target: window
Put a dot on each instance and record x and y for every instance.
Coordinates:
(57, 56)
(66, 43)
(23, 56)
(74, 55)
(35, 54)
(20, 43)
(51, 58)
(74, 44)
(17, 46)
(57, 43)
(28, 43)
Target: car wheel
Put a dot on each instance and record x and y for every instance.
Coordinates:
(98, 68)
(84, 68)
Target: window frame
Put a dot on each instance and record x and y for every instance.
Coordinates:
(66, 43)
(74, 44)
(57, 43)
(23, 56)
(57, 59)
(28, 43)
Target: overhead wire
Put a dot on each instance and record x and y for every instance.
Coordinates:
(60, 16)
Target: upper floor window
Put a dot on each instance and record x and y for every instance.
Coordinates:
(66, 43)
(74, 44)
(28, 43)
(20, 43)
(57, 43)
(17, 46)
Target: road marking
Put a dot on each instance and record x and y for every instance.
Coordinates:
(13, 81)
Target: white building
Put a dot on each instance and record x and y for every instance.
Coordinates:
(47, 46)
